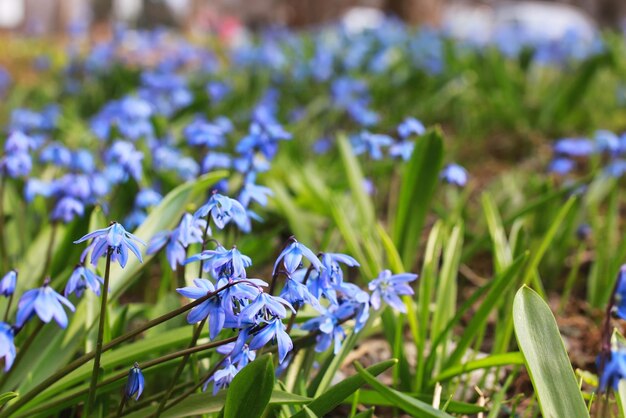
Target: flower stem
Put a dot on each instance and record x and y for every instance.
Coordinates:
(48, 259)
(120, 409)
(277, 270)
(22, 400)
(181, 367)
(96, 362)
(6, 312)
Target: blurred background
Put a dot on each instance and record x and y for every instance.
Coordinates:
(464, 19)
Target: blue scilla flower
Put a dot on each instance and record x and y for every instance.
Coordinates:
(614, 370)
(81, 279)
(67, 209)
(222, 262)
(7, 345)
(330, 330)
(620, 293)
(8, 283)
(295, 292)
(356, 303)
(410, 126)
(574, 147)
(607, 141)
(56, 154)
(147, 198)
(135, 218)
(264, 304)
(211, 308)
(18, 164)
(82, 161)
(561, 166)
(236, 295)
(223, 210)
(215, 160)
(115, 239)
(292, 255)
(387, 287)
(191, 230)
(402, 149)
(217, 91)
(616, 168)
(454, 174)
(240, 357)
(273, 330)
(371, 144)
(135, 383)
(251, 191)
(174, 249)
(18, 141)
(125, 156)
(203, 133)
(46, 303)
(221, 379)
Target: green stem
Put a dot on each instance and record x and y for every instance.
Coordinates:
(6, 312)
(121, 407)
(48, 259)
(181, 367)
(87, 357)
(103, 311)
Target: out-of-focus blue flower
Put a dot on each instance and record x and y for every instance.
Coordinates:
(147, 198)
(561, 166)
(331, 277)
(583, 232)
(387, 287)
(8, 283)
(35, 187)
(57, 154)
(66, 209)
(82, 161)
(80, 279)
(616, 168)
(44, 302)
(217, 91)
(215, 160)
(7, 345)
(454, 174)
(371, 144)
(223, 210)
(620, 293)
(402, 149)
(614, 370)
(203, 133)
(123, 155)
(18, 141)
(607, 141)
(292, 255)
(411, 126)
(274, 329)
(17, 164)
(191, 230)
(135, 383)
(221, 262)
(221, 379)
(174, 249)
(263, 137)
(251, 191)
(115, 239)
(574, 147)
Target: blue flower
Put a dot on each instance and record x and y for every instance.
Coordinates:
(614, 370)
(329, 328)
(7, 346)
(292, 255)
(147, 198)
(191, 230)
(221, 262)
(454, 174)
(263, 304)
(44, 302)
(402, 149)
(67, 209)
(211, 308)
(223, 210)
(18, 141)
(295, 292)
(222, 377)
(8, 283)
(56, 154)
(174, 249)
(135, 383)
(251, 191)
(620, 293)
(241, 357)
(80, 279)
(201, 132)
(372, 144)
(561, 166)
(410, 126)
(274, 329)
(115, 239)
(574, 147)
(389, 288)
(17, 164)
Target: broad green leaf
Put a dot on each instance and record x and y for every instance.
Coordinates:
(372, 397)
(411, 405)
(545, 356)
(356, 180)
(419, 180)
(335, 395)
(251, 389)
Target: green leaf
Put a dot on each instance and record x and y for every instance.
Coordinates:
(411, 405)
(545, 356)
(251, 389)
(419, 180)
(355, 179)
(203, 403)
(483, 363)
(334, 396)
(7, 396)
(372, 397)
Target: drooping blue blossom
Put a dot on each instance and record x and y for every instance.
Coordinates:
(583, 232)
(561, 166)
(402, 149)
(191, 230)
(174, 249)
(411, 126)
(203, 133)
(370, 144)
(298, 294)
(330, 330)
(574, 147)
(123, 160)
(8, 283)
(328, 280)
(221, 262)
(454, 174)
(18, 141)
(223, 210)
(620, 293)
(273, 330)
(221, 378)
(18, 164)
(135, 383)
(81, 279)
(240, 357)
(67, 209)
(56, 154)
(265, 303)
(211, 308)
(46, 303)
(215, 160)
(614, 370)
(292, 255)
(7, 345)
(251, 191)
(387, 287)
(147, 198)
(115, 239)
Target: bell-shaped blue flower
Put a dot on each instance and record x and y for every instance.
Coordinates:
(389, 288)
(292, 255)
(273, 330)
(115, 239)
(44, 302)
(135, 383)
(80, 279)
(7, 346)
(8, 283)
